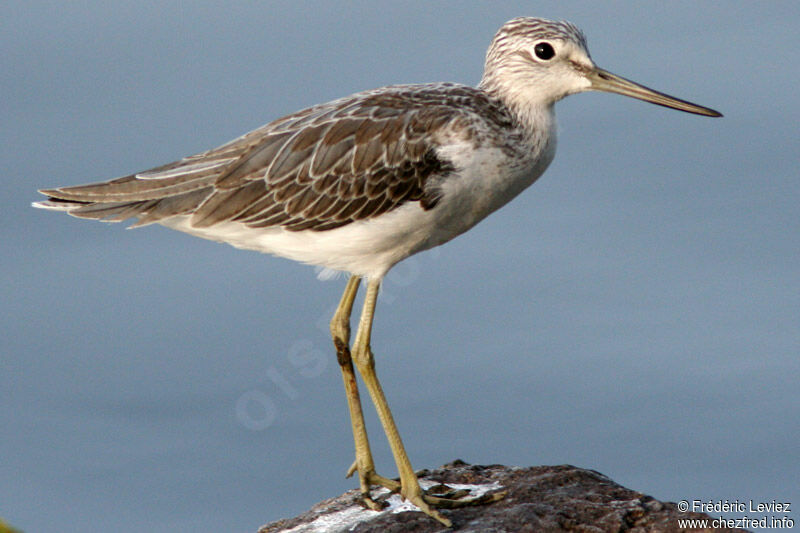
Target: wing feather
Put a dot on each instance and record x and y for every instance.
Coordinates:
(317, 169)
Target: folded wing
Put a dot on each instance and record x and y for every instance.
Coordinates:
(318, 169)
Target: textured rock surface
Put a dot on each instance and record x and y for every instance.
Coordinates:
(539, 498)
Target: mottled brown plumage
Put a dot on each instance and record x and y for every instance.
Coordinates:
(361, 183)
(318, 169)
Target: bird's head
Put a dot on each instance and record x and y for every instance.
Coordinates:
(535, 62)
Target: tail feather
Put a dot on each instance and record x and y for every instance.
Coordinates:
(174, 189)
(130, 189)
(145, 211)
(112, 211)
(180, 204)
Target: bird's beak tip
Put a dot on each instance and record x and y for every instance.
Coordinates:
(603, 80)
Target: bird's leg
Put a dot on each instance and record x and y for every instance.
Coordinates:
(409, 484)
(340, 331)
(362, 354)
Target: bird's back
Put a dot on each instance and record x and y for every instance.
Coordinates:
(347, 161)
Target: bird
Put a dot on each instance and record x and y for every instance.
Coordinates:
(360, 183)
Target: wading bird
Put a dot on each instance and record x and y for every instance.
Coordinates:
(361, 183)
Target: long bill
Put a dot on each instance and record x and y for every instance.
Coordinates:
(603, 80)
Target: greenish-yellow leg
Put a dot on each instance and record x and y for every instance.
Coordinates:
(408, 486)
(362, 354)
(364, 465)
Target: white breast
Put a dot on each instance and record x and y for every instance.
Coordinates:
(485, 179)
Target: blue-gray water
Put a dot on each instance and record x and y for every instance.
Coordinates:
(636, 311)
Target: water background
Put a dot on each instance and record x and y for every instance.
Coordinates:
(635, 312)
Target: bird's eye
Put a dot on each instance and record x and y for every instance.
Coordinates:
(544, 51)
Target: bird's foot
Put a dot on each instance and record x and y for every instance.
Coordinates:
(438, 496)
(445, 497)
(366, 479)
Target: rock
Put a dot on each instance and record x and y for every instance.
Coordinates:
(539, 498)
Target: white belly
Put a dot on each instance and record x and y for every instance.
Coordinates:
(369, 248)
